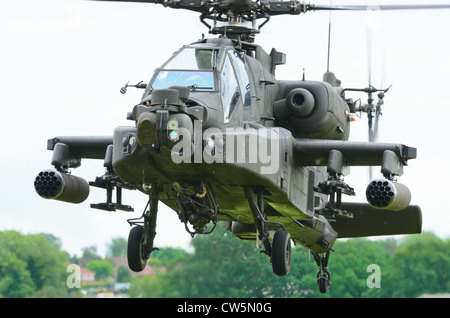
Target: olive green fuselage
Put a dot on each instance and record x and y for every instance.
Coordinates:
(259, 140)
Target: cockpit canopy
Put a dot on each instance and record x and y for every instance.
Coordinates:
(219, 69)
(191, 67)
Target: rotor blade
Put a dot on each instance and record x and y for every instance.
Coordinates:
(145, 1)
(298, 4)
(369, 54)
(235, 4)
(373, 131)
(372, 138)
(379, 7)
(264, 8)
(192, 5)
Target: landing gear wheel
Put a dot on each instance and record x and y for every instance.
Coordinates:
(323, 280)
(281, 253)
(142, 235)
(323, 274)
(135, 250)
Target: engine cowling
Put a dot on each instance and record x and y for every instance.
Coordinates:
(387, 195)
(300, 102)
(311, 109)
(52, 184)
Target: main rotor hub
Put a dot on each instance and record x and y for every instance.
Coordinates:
(234, 28)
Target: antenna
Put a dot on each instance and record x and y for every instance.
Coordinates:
(329, 36)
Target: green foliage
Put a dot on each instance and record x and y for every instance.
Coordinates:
(168, 256)
(123, 274)
(224, 266)
(101, 269)
(29, 264)
(117, 247)
(420, 265)
(89, 254)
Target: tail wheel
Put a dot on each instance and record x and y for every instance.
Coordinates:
(281, 253)
(135, 250)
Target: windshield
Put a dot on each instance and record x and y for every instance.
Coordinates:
(192, 67)
(193, 59)
(198, 81)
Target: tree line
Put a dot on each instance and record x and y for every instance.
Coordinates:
(222, 265)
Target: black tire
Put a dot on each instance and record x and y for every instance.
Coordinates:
(323, 280)
(281, 253)
(136, 262)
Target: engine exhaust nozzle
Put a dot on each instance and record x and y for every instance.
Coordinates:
(387, 195)
(52, 184)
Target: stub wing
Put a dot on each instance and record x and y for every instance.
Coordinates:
(388, 211)
(90, 147)
(368, 221)
(313, 152)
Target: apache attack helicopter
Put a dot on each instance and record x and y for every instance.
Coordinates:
(216, 137)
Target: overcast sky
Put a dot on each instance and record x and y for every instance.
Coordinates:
(62, 63)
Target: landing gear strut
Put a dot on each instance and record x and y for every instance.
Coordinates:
(142, 234)
(280, 250)
(323, 274)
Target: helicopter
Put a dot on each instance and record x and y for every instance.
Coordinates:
(216, 137)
